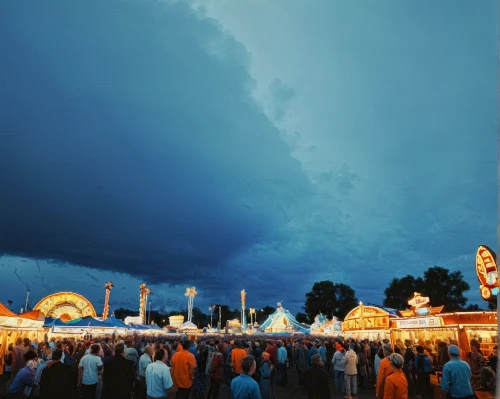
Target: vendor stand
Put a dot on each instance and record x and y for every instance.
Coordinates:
(461, 327)
(422, 322)
(368, 322)
(26, 325)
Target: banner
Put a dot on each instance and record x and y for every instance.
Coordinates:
(419, 322)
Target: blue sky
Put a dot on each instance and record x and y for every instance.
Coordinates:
(244, 144)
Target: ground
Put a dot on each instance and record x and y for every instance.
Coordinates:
(293, 391)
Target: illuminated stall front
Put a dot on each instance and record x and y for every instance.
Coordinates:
(368, 321)
(458, 326)
(12, 326)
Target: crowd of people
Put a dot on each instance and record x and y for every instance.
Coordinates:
(148, 367)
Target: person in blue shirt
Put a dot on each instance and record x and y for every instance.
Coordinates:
(456, 376)
(25, 377)
(312, 351)
(282, 358)
(266, 369)
(423, 367)
(244, 386)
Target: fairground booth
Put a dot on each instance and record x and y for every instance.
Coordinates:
(12, 326)
(368, 321)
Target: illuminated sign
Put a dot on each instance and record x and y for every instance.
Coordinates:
(419, 322)
(418, 300)
(487, 272)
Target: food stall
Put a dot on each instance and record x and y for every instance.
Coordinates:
(369, 321)
(26, 325)
(461, 327)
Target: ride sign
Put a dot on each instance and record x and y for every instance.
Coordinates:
(487, 272)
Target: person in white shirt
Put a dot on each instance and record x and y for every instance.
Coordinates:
(131, 353)
(158, 379)
(90, 368)
(144, 361)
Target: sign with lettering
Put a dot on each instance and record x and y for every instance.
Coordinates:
(419, 322)
(418, 300)
(487, 272)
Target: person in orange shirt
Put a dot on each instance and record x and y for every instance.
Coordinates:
(237, 354)
(183, 366)
(384, 369)
(396, 384)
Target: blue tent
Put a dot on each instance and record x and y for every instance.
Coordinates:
(88, 321)
(116, 323)
(282, 317)
(50, 322)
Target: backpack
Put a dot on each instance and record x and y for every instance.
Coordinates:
(421, 363)
(487, 378)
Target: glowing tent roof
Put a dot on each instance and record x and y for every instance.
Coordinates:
(5, 311)
(283, 320)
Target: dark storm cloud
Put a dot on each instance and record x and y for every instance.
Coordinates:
(129, 143)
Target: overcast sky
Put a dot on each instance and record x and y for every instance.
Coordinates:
(253, 144)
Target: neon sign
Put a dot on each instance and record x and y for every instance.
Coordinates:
(487, 272)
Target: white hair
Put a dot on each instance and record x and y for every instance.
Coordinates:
(396, 360)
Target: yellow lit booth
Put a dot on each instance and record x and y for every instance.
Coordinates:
(26, 325)
(428, 323)
(369, 322)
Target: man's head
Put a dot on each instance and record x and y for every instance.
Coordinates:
(453, 351)
(26, 342)
(316, 359)
(119, 349)
(30, 355)
(420, 349)
(248, 364)
(237, 343)
(95, 348)
(149, 350)
(57, 355)
(396, 361)
(161, 356)
(186, 344)
(19, 341)
(387, 348)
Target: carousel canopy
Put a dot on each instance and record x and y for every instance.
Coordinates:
(283, 320)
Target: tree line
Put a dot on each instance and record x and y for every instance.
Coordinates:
(442, 286)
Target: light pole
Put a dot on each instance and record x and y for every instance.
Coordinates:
(252, 312)
(149, 316)
(211, 308)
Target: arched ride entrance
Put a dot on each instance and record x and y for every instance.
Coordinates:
(66, 306)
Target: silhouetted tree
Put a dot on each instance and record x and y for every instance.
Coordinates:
(301, 317)
(121, 313)
(492, 305)
(400, 290)
(263, 313)
(330, 299)
(472, 307)
(438, 283)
